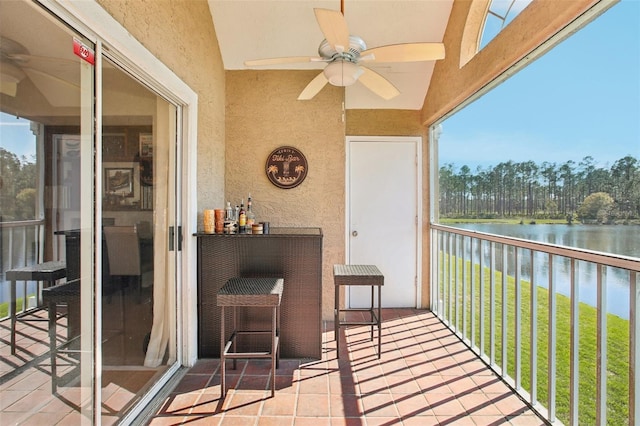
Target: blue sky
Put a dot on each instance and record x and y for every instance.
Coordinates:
(581, 98)
(16, 136)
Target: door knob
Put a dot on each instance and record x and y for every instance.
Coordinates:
(354, 233)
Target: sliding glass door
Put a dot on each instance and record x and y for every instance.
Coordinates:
(47, 146)
(87, 217)
(138, 266)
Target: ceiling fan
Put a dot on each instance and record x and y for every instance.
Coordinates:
(345, 55)
(56, 78)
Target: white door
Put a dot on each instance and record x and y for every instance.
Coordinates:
(383, 182)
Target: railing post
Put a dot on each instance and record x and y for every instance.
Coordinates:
(533, 333)
(472, 292)
(504, 324)
(482, 297)
(551, 403)
(574, 385)
(601, 368)
(517, 323)
(634, 349)
(456, 282)
(492, 301)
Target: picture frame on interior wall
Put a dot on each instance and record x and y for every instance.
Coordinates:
(146, 144)
(119, 181)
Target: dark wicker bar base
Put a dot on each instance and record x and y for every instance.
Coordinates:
(294, 254)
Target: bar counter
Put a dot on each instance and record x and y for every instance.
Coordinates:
(294, 254)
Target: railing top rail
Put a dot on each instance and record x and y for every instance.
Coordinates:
(21, 223)
(607, 259)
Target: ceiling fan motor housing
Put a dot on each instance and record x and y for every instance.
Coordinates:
(356, 45)
(342, 69)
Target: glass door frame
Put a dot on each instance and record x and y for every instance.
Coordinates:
(114, 41)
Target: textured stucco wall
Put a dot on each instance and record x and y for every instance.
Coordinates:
(263, 113)
(184, 39)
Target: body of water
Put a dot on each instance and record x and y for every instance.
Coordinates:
(618, 239)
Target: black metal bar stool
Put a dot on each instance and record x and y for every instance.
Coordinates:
(250, 292)
(367, 275)
(48, 273)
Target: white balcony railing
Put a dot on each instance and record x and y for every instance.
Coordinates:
(21, 244)
(520, 305)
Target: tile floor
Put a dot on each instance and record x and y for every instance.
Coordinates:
(25, 377)
(425, 376)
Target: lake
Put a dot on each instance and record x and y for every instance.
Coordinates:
(617, 239)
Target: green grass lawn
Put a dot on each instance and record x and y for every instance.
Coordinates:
(617, 345)
(4, 307)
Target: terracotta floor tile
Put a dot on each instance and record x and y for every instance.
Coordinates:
(455, 420)
(346, 406)
(348, 421)
(275, 421)
(430, 420)
(402, 385)
(462, 384)
(526, 420)
(207, 404)
(412, 405)
(214, 421)
(11, 397)
(379, 405)
(282, 404)
(444, 404)
(510, 405)
(311, 421)
(383, 421)
(478, 404)
(312, 406)
(314, 385)
(253, 383)
(179, 404)
(342, 385)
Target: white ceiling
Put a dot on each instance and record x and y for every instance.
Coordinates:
(256, 29)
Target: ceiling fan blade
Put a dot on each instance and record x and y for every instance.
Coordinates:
(313, 87)
(378, 84)
(334, 27)
(407, 52)
(286, 60)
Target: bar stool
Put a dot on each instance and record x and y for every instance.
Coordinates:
(367, 275)
(47, 272)
(250, 292)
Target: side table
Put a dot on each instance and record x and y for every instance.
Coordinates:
(368, 275)
(48, 272)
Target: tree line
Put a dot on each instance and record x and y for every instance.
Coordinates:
(548, 190)
(17, 187)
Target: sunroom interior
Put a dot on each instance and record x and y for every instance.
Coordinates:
(182, 128)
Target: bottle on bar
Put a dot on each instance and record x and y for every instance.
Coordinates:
(251, 217)
(242, 218)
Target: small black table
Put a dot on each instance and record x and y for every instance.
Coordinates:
(48, 273)
(368, 275)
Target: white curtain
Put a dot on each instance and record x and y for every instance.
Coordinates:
(163, 330)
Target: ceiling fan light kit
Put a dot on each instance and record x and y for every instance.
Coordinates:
(10, 76)
(342, 52)
(342, 73)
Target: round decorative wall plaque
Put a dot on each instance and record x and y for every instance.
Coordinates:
(286, 167)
